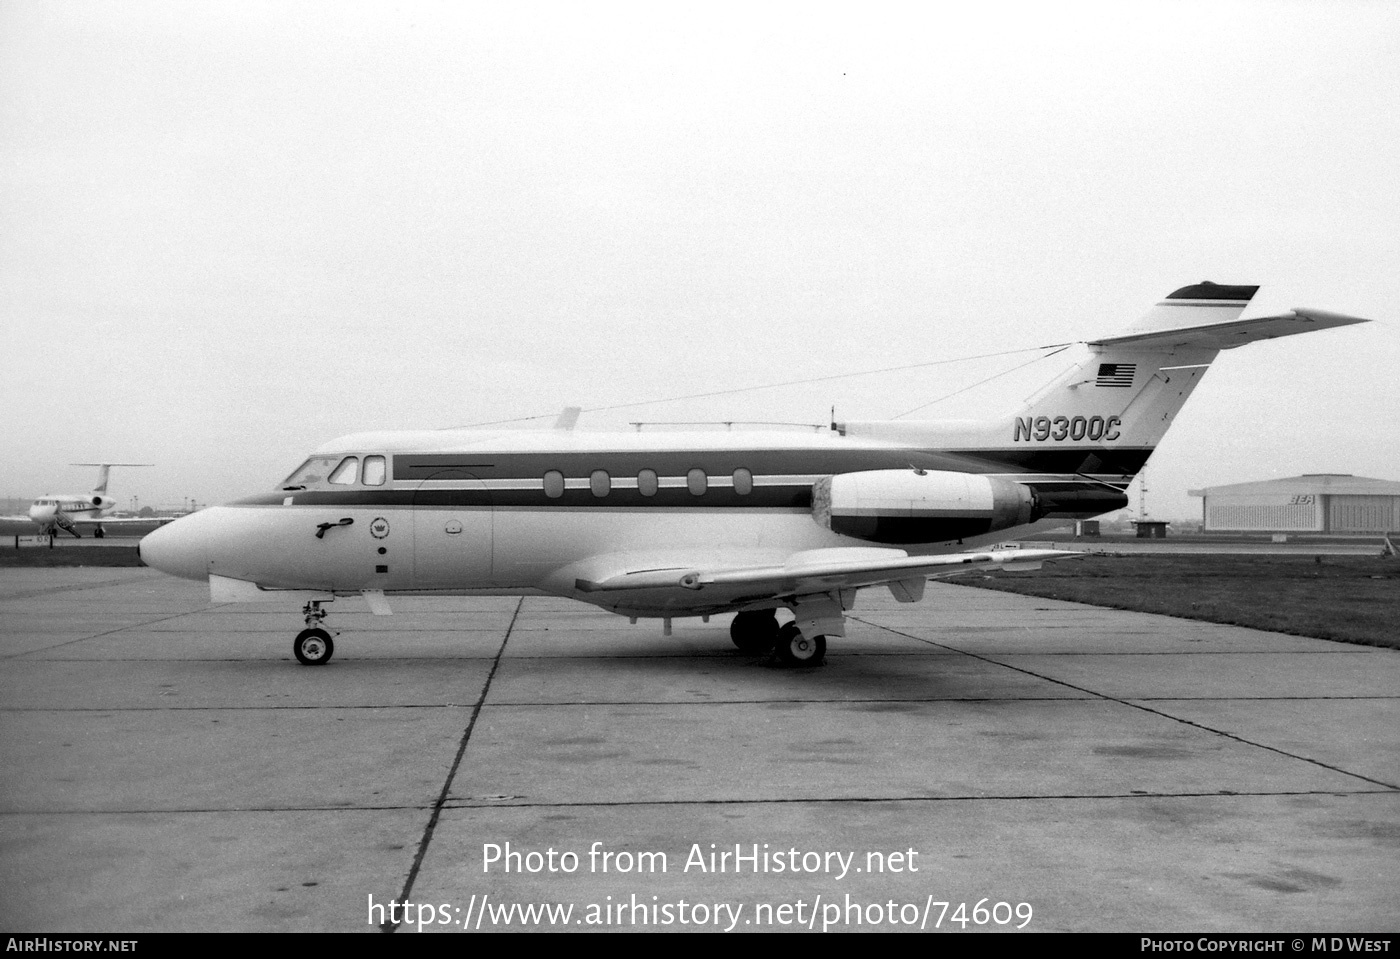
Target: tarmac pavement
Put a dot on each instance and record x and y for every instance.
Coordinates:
(169, 766)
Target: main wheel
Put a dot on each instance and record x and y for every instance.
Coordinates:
(794, 649)
(754, 632)
(313, 647)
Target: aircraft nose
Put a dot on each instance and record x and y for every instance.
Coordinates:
(180, 548)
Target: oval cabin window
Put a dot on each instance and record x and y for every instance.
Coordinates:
(743, 481)
(600, 483)
(554, 484)
(696, 481)
(647, 483)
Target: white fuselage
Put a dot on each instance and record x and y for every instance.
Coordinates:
(541, 511)
(62, 510)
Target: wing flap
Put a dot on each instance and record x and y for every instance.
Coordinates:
(822, 570)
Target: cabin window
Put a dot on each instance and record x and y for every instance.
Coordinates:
(647, 483)
(374, 471)
(344, 474)
(600, 483)
(554, 484)
(696, 481)
(743, 481)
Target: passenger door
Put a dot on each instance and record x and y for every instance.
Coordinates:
(452, 531)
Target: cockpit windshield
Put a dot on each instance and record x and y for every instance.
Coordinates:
(337, 470)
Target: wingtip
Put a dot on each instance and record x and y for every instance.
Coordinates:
(1327, 317)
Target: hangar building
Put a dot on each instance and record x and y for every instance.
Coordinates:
(1312, 503)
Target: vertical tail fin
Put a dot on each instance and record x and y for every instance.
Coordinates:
(1124, 395)
(103, 469)
(1100, 421)
(1204, 304)
(1134, 383)
(1127, 390)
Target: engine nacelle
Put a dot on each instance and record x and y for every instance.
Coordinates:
(932, 506)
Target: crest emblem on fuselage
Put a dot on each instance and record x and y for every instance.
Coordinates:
(379, 528)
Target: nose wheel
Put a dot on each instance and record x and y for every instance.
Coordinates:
(313, 645)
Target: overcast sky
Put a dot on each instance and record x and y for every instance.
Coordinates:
(231, 232)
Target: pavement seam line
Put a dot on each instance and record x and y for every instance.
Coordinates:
(85, 639)
(1154, 712)
(780, 801)
(100, 584)
(427, 837)
(530, 704)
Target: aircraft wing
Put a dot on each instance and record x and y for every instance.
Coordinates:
(822, 570)
(121, 521)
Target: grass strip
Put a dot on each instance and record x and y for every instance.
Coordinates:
(1351, 599)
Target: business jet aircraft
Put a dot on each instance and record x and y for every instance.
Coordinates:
(68, 511)
(703, 523)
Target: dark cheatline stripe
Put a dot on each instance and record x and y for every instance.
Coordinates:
(722, 462)
(1039, 460)
(760, 462)
(1055, 498)
(770, 497)
(1214, 291)
(1059, 497)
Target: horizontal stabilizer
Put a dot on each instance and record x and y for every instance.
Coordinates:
(1233, 333)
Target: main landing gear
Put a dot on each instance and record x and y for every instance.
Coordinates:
(794, 649)
(313, 645)
(757, 632)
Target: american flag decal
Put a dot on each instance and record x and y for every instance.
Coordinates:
(1116, 374)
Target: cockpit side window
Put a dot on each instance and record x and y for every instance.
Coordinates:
(311, 473)
(374, 471)
(345, 473)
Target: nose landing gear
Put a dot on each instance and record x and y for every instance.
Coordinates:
(313, 645)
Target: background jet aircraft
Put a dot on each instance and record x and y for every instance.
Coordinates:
(68, 511)
(703, 523)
